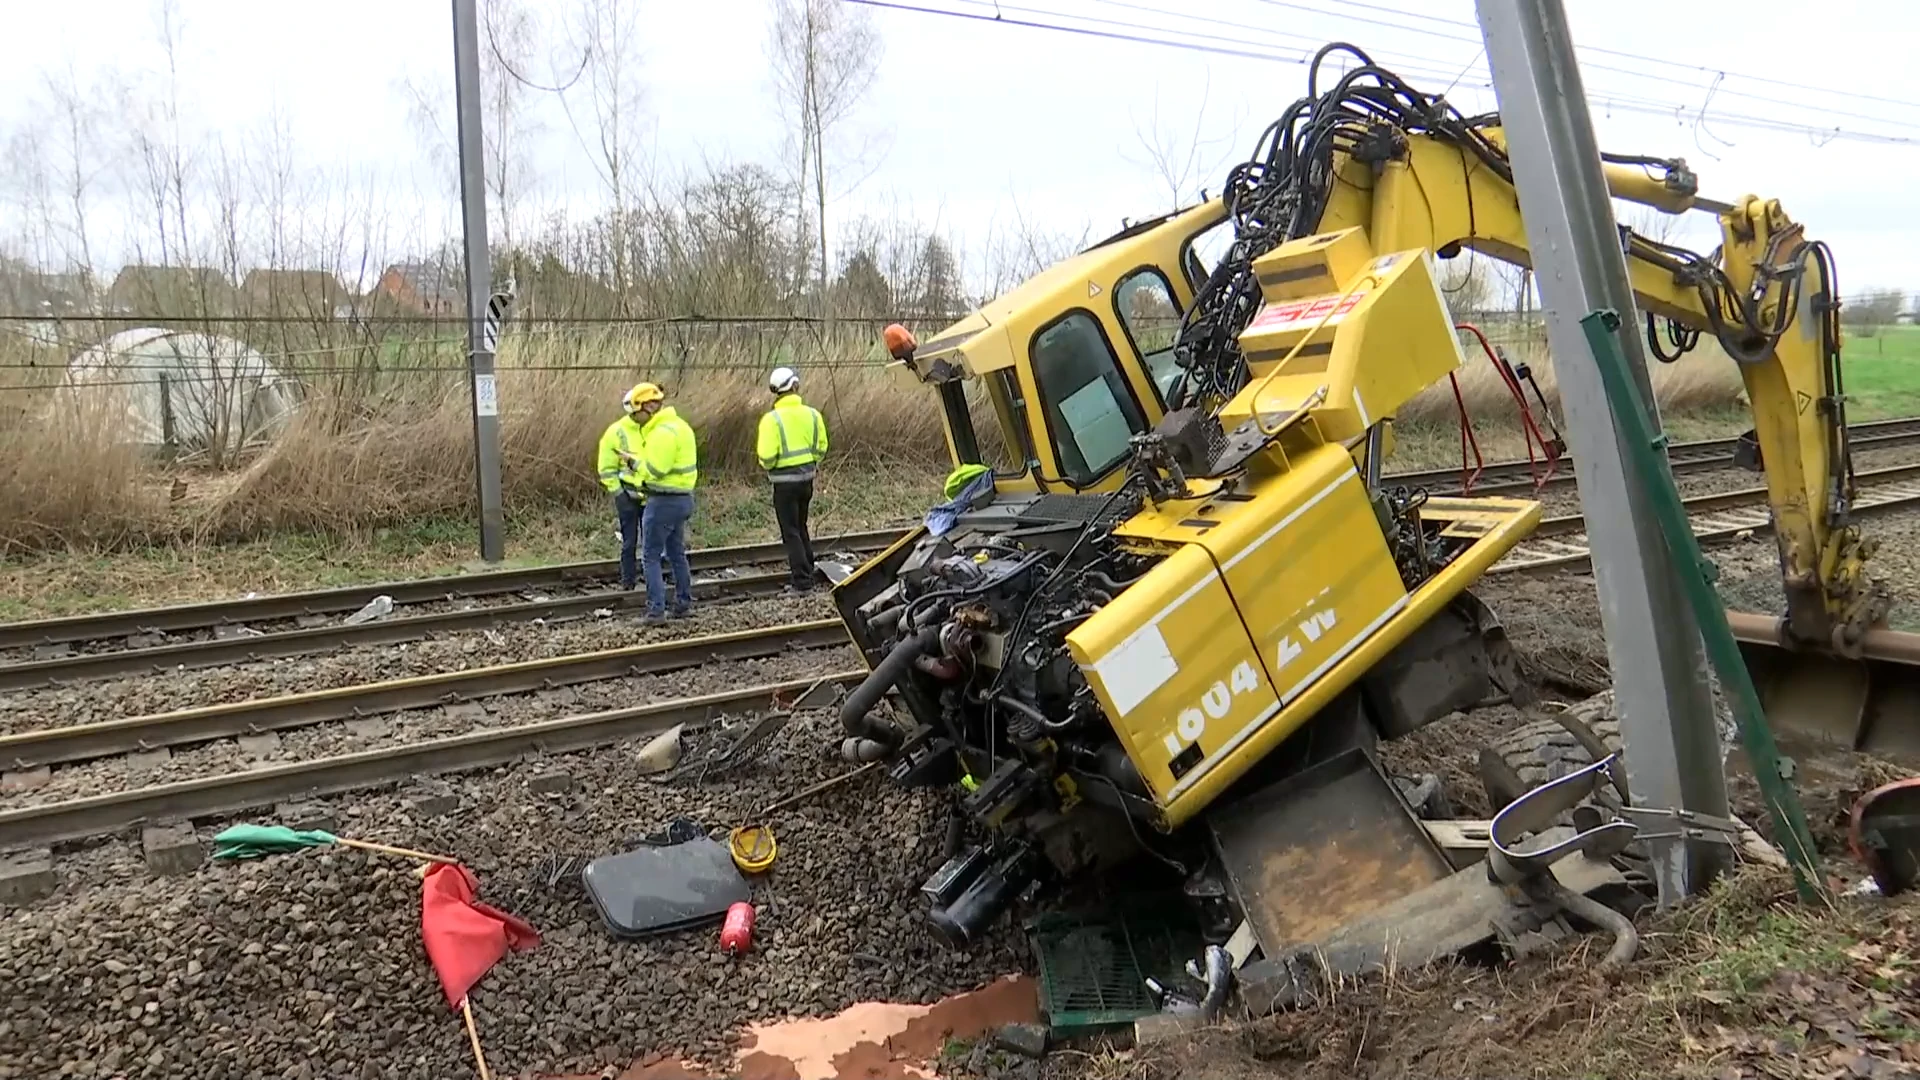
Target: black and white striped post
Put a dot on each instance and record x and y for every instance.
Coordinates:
(485, 308)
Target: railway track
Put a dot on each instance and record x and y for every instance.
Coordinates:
(186, 727)
(223, 650)
(322, 603)
(1694, 457)
(50, 823)
(1560, 543)
(1558, 548)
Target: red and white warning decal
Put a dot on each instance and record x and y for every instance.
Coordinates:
(1280, 316)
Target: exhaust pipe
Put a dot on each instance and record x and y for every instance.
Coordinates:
(855, 712)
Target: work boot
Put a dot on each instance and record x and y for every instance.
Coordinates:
(656, 618)
(683, 613)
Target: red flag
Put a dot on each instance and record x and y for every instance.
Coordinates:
(465, 937)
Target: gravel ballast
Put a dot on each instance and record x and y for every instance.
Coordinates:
(310, 964)
(293, 745)
(111, 699)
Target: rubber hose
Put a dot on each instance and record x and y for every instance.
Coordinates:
(886, 674)
(1626, 940)
(886, 619)
(1031, 712)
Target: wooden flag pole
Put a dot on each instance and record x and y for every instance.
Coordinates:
(473, 1036)
(384, 849)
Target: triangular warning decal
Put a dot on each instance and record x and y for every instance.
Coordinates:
(1093, 289)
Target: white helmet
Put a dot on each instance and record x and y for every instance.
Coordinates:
(784, 380)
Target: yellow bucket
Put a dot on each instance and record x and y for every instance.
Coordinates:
(752, 848)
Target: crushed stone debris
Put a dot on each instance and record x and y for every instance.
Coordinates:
(310, 963)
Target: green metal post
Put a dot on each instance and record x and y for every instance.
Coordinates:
(1645, 444)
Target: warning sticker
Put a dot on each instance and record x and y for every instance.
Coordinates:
(1293, 312)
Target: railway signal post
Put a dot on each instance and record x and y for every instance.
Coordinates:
(1673, 750)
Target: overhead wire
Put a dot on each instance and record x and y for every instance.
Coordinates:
(1687, 65)
(1477, 42)
(993, 11)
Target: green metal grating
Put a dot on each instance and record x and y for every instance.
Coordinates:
(1094, 964)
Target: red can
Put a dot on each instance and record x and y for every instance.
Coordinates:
(736, 934)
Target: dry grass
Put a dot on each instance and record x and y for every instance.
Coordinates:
(390, 442)
(1704, 379)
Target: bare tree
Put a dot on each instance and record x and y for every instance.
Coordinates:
(510, 125)
(510, 122)
(1649, 222)
(616, 115)
(1470, 284)
(161, 143)
(1177, 157)
(823, 55)
(1871, 309)
(79, 156)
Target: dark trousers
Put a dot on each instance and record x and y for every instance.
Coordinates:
(627, 510)
(791, 501)
(664, 524)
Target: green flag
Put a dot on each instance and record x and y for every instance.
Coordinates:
(254, 841)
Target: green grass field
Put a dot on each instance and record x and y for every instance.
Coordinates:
(1882, 373)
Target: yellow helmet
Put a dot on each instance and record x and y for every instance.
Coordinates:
(641, 394)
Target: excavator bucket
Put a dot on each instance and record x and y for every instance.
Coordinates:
(1870, 703)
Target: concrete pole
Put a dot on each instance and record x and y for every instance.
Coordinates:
(480, 337)
(1672, 747)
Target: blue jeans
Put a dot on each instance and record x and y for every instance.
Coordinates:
(664, 525)
(626, 509)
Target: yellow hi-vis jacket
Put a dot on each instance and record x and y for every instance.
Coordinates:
(620, 456)
(669, 461)
(793, 439)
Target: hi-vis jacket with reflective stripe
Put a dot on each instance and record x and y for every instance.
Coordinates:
(620, 455)
(793, 439)
(669, 462)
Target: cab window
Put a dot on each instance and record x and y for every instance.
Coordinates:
(1090, 413)
(1205, 251)
(1144, 302)
(990, 435)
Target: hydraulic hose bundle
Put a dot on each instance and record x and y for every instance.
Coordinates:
(1281, 193)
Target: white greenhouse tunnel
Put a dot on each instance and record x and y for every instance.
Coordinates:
(188, 391)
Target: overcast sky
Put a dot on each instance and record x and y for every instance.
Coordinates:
(971, 124)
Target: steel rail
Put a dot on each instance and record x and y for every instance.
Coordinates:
(133, 734)
(76, 628)
(1724, 516)
(284, 643)
(231, 793)
(1496, 477)
(1700, 456)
